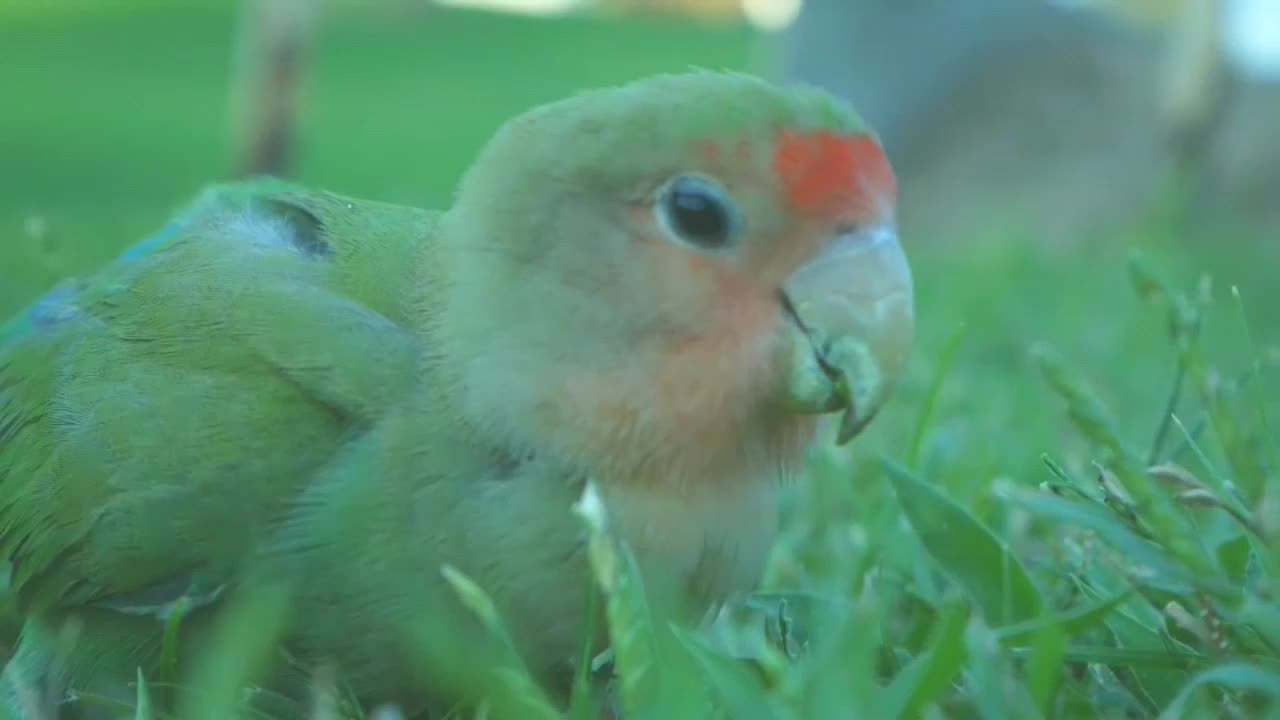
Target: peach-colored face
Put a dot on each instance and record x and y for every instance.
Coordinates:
(736, 352)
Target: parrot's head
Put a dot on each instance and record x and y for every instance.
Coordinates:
(672, 278)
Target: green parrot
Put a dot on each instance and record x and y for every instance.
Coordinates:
(657, 288)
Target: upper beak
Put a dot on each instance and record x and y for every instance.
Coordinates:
(852, 327)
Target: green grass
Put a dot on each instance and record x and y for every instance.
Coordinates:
(992, 547)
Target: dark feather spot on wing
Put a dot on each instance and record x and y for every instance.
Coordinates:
(507, 464)
(307, 231)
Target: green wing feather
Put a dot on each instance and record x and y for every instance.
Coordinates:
(156, 417)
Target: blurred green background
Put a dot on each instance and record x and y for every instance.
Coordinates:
(1036, 149)
(117, 111)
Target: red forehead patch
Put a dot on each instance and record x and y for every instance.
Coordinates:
(846, 173)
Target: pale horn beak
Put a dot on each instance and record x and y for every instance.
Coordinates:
(852, 312)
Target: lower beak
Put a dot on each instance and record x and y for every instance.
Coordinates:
(852, 328)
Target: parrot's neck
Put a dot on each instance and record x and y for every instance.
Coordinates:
(686, 422)
(688, 482)
(685, 417)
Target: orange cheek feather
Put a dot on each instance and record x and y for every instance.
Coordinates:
(739, 322)
(691, 402)
(708, 386)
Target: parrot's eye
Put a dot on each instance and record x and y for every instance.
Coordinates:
(695, 210)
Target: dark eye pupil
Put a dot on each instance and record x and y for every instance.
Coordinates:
(697, 214)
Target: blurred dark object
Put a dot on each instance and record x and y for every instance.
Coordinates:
(1065, 119)
(272, 42)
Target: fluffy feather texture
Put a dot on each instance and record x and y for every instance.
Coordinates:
(353, 393)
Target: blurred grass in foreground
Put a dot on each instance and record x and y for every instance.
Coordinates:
(995, 546)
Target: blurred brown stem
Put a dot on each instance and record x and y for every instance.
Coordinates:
(271, 39)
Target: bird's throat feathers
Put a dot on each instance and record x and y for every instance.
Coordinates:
(687, 413)
(690, 425)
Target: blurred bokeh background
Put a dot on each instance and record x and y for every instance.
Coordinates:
(1037, 144)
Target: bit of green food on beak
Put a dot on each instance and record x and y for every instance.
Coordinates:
(853, 324)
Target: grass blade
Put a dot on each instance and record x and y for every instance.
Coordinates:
(1237, 676)
(929, 404)
(967, 551)
(932, 671)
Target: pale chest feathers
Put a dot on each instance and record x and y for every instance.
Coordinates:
(711, 541)
(520, 540)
